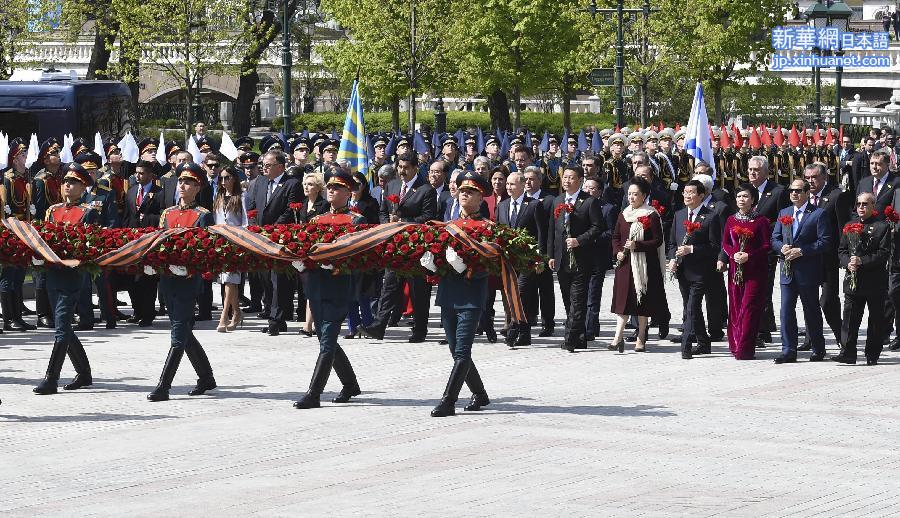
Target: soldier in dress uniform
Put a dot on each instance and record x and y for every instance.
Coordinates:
(114, 177)
(379, 144)
(17, 202)
(551, 165)
(462, 297)
(329, 294)
(668, 160)
(47, 189)
(615, 167)
(147, 149)
(300, 154)
(244, 144)
(172, 149)
(181, 292)
(470, 154)
(685, 159)
(64, 284)
(450, 151)
(271, 142)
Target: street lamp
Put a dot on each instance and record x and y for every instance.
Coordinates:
(817, 18)
(286, 67)
(839, 15)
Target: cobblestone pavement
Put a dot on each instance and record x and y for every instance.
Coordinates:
(589, 434)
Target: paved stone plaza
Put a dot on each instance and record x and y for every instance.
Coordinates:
(588, 434)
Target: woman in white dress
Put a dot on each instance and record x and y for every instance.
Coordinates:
(229, 210)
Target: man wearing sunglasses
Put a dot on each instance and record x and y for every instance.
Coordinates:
(881, 181)
(802, 242)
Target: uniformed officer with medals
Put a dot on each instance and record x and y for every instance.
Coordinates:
(551, 165)
(64, 285)
(181, 292)
(17, 202)
(329, 294)
(462, 297)
(47, 190)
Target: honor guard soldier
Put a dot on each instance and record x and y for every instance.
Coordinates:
(244, 144)
(685, 159)
(615, 167)
(115, 178)
(78, 147)
(379, 144)
(668, 160)
(551, 165)
(47, 190)
(329, 294)
(300, 153)
(16, 200)
(450, 152)
(172, 149)
(147, 149)
(329, 154)
(462, 297)
(271, 142)
(181, 292)
(471, 152)
(492, 150)
(64, 284)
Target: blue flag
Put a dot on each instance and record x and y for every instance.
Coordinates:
(545, 142)
(582, 141)
(696, 141)
(353, 142)
(596, 141)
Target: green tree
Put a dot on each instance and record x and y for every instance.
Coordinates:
(20, 20)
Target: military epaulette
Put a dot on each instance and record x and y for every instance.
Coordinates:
(201, 209)
(103, 187)
(55, 205)
(8, 173)
(41, 174)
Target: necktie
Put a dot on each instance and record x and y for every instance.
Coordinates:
(796, 224)
(691, 215)
(876, 187)
(140, 197)
(815, 200)
(568, 202)
(515, 214)
(269, 190)
(454, 212)
(402, 193)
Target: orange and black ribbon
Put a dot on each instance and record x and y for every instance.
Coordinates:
(133, 251)
(33, 240)
(355, 242)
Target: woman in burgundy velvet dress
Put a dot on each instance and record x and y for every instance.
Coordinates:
(746, 296)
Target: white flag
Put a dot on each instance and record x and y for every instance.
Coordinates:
(696, 140)
(129, 148)
(33, 148)
(4, 150)
(194, 150)
(65, 154)
(161, 150)
(227, 148)
(98, 148)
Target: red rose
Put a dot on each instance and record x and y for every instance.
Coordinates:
(786, 221)
(252, 213)
(428, 237)
(393, 198)
(207, 276)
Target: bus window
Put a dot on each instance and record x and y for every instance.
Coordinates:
(109, 115)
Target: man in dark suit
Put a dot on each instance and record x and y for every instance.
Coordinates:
(846, 154)
(866, 259)
(802, 244)
(273, 198)
(697, 254)
(260, 282)
(859, 168)
(772, 199)
(523, 212)
(143, 205)
(572, 241)
(546, 289)
(837, 206)
(418, 204)
(720, 203)
(610, 214)
(881, 182)
(438, 171)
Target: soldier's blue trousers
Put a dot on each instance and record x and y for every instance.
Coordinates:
(459, 327)
(11, 278)
(181, 294)
(63, 288)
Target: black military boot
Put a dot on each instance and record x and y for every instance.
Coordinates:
(479, 395)
(57, 357)
(6, 307)
(344, 371)
(319, 378)
(161, 392)
(82, 366)
(19, 308)
(447, 406)
(200, 362)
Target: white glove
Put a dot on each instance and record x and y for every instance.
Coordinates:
(180, 271)
(455, 260)
(35, 261)
(326, 266)
(6, 209)
(148, 270)
(673, 186)
(32, 209)
(427, 261)
(298, 265)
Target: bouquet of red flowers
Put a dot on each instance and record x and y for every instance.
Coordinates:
(891, 215)
(566, 208)
(854, 232)
(743, 234)
(689, 228)
(251, 215)
(660, 209)
(394, 201)
(295, 208)
(632, 235)
(787, 234)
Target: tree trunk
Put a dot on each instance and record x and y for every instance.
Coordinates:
(411, 111)
(645, 88)
(395, 114)
(499, 108)
(103, 39)
(717, 101)
(309, 96)
(244, 103)
(567, 101)
(517, 107)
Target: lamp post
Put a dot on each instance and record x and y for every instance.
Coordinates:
(839, 15)
(817, 18)
(440, 116)
(286, 67)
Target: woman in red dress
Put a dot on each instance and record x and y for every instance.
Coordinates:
(747, 291)
(638, 247)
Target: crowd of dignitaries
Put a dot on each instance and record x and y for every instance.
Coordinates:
(633, 204)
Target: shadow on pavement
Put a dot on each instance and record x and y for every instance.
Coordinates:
(93, 416)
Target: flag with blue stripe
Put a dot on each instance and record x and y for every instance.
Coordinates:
(697, 141)
(353, 141)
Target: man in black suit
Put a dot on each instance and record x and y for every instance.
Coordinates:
(846, 153)
(572, 242)
(772, 198)
(438, 171)
(837, 206)
(697, 254)
(273, 197)
(259, 303)
(610, 213)
(881, 181)
(867, 260)
(418, 204)
(523, 212)
(546, 289)
(143, 206)
(859, 167)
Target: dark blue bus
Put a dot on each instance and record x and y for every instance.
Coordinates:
(52, 108)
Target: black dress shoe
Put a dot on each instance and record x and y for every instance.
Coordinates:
(716, 337)
(675, 339)
(545, 332)
(263, 315)
(202, 318)
(81, 380)
(145, 323)
(871, 361)
(110, 325)
(663, 331)
(817, 357)
(376, 332)
(701, 349)
(766, 337)
(477, 401)
(274, 329)
(805, 346)
(202, 386)
(45, 322)
(84, 327)
(589, 338)
(895, 345)
(491, 335)
(785, 359)
(346, 393)
(132, 320)
(844, 359)
(252, 309)
(686, 356)
(418, 338)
